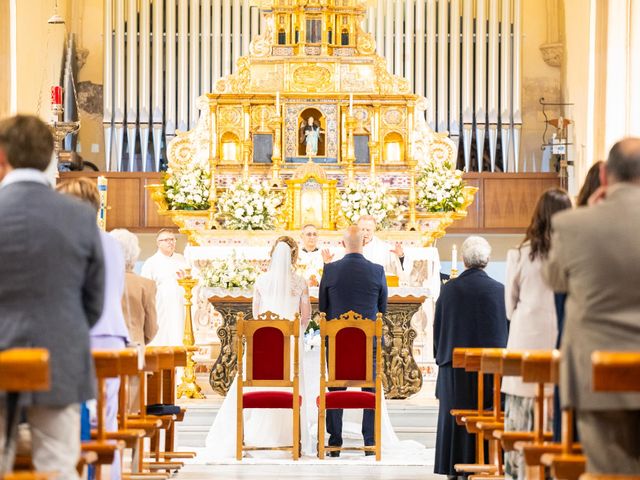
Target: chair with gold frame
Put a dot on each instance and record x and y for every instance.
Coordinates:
(350, 364)
(268, 364)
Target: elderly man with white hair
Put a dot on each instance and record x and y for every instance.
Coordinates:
(470, 313)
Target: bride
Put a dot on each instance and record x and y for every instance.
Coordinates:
(281, 291)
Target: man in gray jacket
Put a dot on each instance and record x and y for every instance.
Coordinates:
(595, 258)
(51, 293)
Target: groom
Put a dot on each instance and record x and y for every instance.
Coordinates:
(352, 283)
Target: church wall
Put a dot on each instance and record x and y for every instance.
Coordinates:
(5, 58)
(539, 79)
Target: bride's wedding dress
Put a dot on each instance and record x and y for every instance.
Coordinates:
(285, 293)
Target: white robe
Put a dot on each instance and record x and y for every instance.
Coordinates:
(169, 296)
(310, 264)
(378, 251)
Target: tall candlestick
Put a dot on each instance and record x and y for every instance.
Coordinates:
(454, 260)
(351, 104)
(278, 103)
(102, 211)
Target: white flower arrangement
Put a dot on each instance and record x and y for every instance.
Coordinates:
(369, 198)
(187, 189)
(231, 272)
(249, 205)
(439, 187)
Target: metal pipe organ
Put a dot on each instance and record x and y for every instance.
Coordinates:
(462, 55)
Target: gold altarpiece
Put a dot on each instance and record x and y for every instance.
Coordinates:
(311, 109)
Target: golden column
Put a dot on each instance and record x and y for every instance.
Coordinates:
(276, 157)
(246, 144)
(213, 162)
(188, 386)
(411, 163)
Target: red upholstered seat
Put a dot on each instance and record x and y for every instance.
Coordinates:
(269, 399)
(349, 399)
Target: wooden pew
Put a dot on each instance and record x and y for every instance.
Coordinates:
(473, 363)
(106, 363)
(161, 389)
(563, 459)
(25, 370)
(615, 372)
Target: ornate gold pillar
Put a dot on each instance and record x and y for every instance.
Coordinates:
(246, 143)
(276, 158)
(351, 158)
(188, 386)
(411, 163)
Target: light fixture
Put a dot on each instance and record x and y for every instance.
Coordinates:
(56, 18)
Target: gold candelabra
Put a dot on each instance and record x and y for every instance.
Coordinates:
(188, 386)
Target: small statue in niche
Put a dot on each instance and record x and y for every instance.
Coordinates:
(310, 136)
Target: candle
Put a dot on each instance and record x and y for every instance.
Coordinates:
(56, 95)
(278, 103)
(454, 258)
(351, 104)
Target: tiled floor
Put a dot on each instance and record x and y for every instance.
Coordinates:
(285, 472)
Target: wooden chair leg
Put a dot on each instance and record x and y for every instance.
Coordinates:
(296, 429)
(321, 422)
(239, 434)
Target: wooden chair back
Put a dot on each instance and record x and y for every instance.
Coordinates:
(268, 350)
(511, 363)
(24, 369)
(350, 339)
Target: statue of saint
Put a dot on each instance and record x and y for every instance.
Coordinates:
(310, 135)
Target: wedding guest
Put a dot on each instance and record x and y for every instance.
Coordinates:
(310, 257)
(594, 257)
(352, 283)
(111, 330)
(51, 294)
(138, 303)
(164, 268)
(470, 313)
(531, 311)
(590, 185)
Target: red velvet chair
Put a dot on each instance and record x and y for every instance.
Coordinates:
(350, 363)
(268, 364)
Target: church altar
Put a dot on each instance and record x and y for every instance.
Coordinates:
(312, 113)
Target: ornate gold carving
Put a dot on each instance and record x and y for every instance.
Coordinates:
(552, 54)
(260, 46)
(366, 42)
(393, 116)
(311, 78)
(180, 151)
(402, 377)
(229, 116)
(357, 78)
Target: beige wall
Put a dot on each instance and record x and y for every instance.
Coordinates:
(5, 58)
(538, 79)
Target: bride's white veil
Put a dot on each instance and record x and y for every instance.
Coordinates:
(277, 290)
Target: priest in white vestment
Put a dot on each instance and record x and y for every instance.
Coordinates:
(310, 260)
(378, 251)
(165, 267)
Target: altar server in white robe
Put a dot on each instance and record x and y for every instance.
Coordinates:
(310, 260)
(165, 267)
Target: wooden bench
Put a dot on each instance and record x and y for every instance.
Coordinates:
(615, 372)
(25, 370)
(161, 389)
(471, 360)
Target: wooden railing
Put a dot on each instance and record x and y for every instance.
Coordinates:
(504, 202)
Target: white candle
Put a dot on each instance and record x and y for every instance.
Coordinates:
(351, 104)
(278, 103)
(454, 258)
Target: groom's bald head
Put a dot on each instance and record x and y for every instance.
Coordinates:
(352, 240)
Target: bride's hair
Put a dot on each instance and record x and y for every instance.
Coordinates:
(293, 245)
